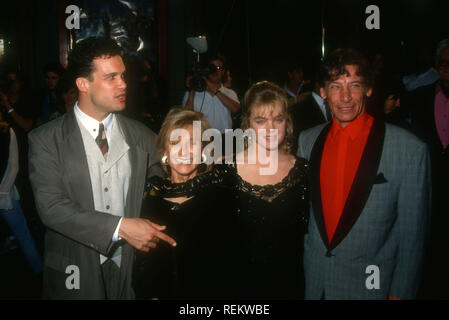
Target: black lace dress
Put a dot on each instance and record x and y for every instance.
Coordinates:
(202, 265)
(272, 223)
(235, 240)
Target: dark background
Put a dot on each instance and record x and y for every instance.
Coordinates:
(258, 37)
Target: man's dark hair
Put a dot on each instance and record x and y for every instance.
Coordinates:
(295, 65)
(54, 67)
(334, 66)
(212, 56)
(83, 54)
(65, 85)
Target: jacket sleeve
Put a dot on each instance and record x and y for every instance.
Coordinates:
(154, 157)
(413, 218)
(56, 208)
(302, 146)
(13, 166)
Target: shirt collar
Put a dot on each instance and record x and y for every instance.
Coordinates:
(92, 124)
(354, 129)
(290, 93)
(318, 98)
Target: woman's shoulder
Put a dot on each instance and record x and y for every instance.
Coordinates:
(296, 176)
(218, 175)
(301, 163)
(300, 170)
(296, 164)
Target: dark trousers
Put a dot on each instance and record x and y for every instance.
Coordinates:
(111, 279)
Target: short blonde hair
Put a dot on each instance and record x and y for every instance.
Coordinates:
(177, 118)
(267, 93)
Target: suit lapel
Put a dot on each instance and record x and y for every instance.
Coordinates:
(118, 148)
(138, 161)
(315, 186)
(363, 182)
(75, 160)
(430, 101)
(320, 118)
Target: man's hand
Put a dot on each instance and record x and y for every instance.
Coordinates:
(143, 234)
(4, 102)
(188, 82)
(211, 87)
(4, 125)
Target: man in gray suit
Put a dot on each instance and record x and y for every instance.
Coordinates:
(87, 170)
(370, 194)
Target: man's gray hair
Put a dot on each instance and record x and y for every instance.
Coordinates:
(442, 45)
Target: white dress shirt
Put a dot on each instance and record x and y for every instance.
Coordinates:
(109, 178)
(216, 113)
(320, 102)
(293, 94)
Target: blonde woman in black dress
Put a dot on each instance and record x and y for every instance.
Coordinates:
(271, 207)
(196, 211)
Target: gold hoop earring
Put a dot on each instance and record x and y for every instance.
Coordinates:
(164, 160)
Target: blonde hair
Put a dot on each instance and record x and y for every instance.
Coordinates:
(267, 93)
(177, 118)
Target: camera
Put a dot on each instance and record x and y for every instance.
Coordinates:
(197, 83)
(199, 45)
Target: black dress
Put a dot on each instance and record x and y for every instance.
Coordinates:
(235, 240)
(272, 223)
(202, 265)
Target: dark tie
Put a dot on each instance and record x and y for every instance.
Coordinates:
(102, 141)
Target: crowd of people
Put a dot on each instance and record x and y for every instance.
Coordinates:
(354, 209)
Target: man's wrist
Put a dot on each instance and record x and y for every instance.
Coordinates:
(116, 236)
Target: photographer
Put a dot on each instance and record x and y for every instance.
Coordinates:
(16, 102)
(10, 208)
(216, 102)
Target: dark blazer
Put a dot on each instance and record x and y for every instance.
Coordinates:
(306, 114)
(421, 106)
(384, 222)
(76, 234)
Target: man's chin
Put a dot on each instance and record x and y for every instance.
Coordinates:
(118, 108)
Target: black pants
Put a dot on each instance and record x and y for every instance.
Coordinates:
(111, 279)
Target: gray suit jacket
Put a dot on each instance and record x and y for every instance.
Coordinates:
(384, 222)
(76, 233)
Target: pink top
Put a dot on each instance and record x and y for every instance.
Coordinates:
(442, 116)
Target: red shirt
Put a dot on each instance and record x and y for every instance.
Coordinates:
(442, 116)
(341, 157)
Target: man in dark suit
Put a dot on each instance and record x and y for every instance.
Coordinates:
(295, 84)
(87, 170)
(310, 111)
(428, 108)
(369, 190)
